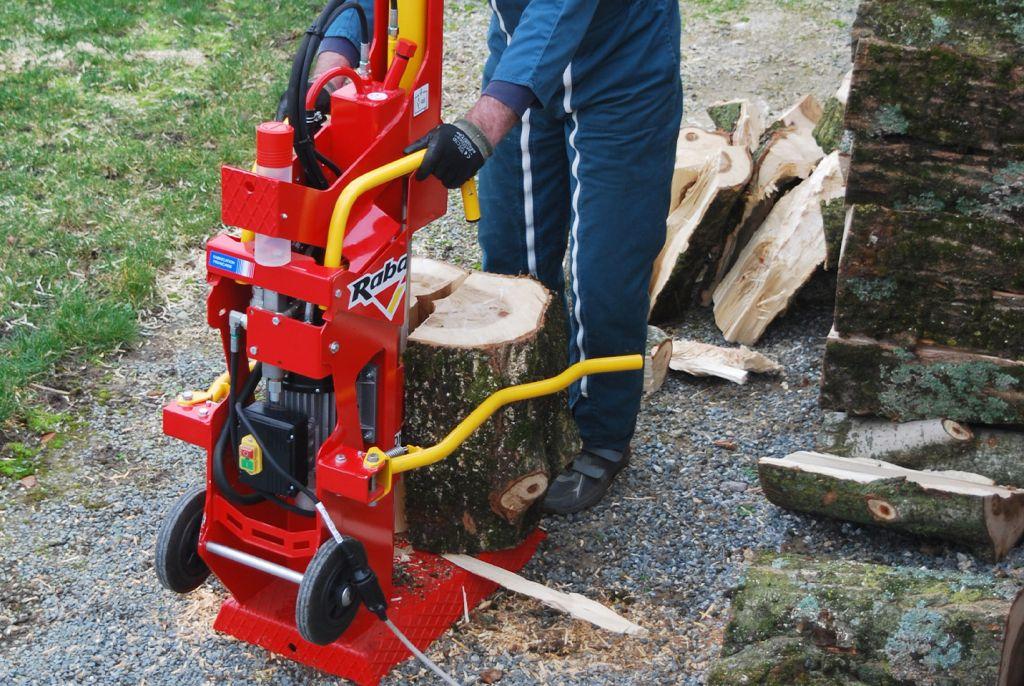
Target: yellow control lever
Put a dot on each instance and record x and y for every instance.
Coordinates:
(422, 457)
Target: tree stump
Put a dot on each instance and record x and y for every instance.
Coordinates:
(798, 620)
(491, 332)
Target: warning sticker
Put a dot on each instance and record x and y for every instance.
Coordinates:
(420, 99)
(230, 263)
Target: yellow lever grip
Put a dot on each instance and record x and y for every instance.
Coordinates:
(422, 457)
(470, 201)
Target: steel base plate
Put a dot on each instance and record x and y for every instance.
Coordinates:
(427, 601)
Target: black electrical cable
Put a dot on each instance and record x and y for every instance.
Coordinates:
(219, 475)
(298, 85)
(269, 457)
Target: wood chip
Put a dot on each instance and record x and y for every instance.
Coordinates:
(732, 364)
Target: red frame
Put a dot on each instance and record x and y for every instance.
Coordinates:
(365, 131)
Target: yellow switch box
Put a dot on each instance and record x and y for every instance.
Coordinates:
(250, 457)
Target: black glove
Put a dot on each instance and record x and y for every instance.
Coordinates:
(455, 153)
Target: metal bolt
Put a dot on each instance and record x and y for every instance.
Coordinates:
(339, 459)
(253, 350)
(337, 292)
(203, 411)
(276, 321)
(187, 395)
(284, 215)
(334, 347)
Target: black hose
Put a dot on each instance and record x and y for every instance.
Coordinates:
(219, 475)
(298, 85)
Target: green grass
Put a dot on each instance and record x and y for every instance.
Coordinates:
(116, 118)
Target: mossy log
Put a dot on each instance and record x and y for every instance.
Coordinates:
(802, 620)
(944, 278)
(862, 376)
(937, 95)
(491, 332)
(742, 120)
(834, 216)
(928, 444)
(984, 29)
(966, 509)
(780, 257)
(828, 132)
(696, 232)
(904, 174)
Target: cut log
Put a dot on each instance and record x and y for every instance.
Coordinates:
(658, 355)
(785, 156)
(911, 175)
(695, 232)
(803, 620)
(780, 257)
(964, 508)
(928, 444)
(431, 281)
(828, 132)
(900, 92)
(862, 375)
(802, 115)
(491, 332)
(742, 120)
(731, 364)
(693, 148)
(945, 278)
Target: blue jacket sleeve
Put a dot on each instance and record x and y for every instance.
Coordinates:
(343, 34)
(548, 34)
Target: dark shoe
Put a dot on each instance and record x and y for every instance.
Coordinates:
(585, 482)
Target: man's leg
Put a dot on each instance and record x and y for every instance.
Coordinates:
(524, 198)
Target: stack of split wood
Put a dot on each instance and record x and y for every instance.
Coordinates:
(754, 205)
(930, 302)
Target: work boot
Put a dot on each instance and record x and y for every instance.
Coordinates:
(585, 482)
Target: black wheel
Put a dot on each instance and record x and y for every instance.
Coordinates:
(327, 604)
(178, 565)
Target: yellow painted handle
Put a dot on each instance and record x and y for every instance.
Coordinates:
(471, 201)
(421, 457)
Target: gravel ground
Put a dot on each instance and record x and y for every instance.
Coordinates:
(78, 599)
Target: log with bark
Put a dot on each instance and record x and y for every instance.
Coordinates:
(802, 620)
(967, 509)
(829, 130)
(945, 278)
(656, 360)
(786, 154)
(780, 257)
(927, 444)
(491, 332)
(742, 120)
(866, 376)
(695, 232)
(693, 148)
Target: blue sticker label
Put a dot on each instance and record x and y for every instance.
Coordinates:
(229, 263)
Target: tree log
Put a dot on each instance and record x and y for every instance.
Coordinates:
(431, 280)
(780, 257)
(656, 360)
(695, 232)
(938, 95)
(693, 148)
(801, 620)
(861, 375)
(904, 174)
(944, 278)
(834, 217)
(491, 332)
(928, 444)
(964, 508)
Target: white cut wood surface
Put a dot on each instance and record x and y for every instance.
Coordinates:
(693, 148)
(780, 257)
(804, 114)
(430, 281)
(732, 364)
(574, 604)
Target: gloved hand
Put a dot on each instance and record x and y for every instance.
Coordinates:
(455, 153)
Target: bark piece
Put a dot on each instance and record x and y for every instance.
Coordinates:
(658, 354)
(945, 278)
(828, 132)
(574, 604)
(780, 257)
(731, 364)
(802, 620)
(928, 444)
(862, 375)
(693, 148)
(937, 95)
(964, 508)
(744, 121)
(491, 332)
(695, 232)
(431, 281)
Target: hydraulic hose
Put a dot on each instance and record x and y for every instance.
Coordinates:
(298, 86)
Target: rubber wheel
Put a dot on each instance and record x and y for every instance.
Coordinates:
(178, 565)
(320, 611)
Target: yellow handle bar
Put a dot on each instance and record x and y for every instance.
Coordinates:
(422, 457)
